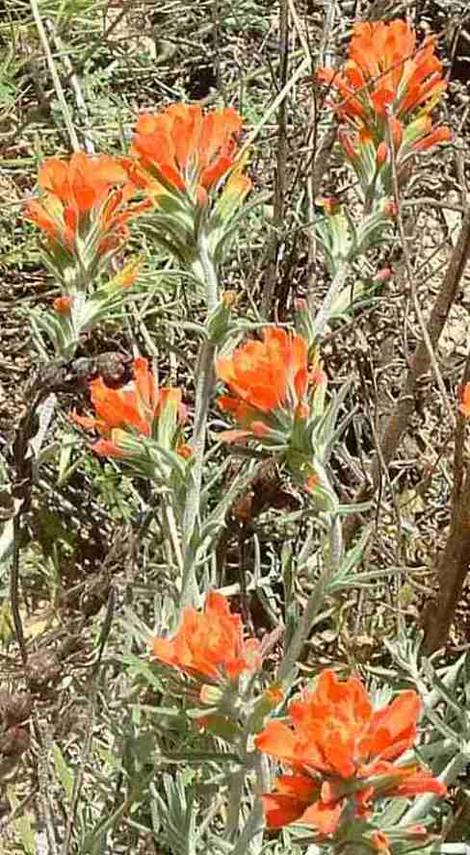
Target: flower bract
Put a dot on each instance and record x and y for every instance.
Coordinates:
(341, 752)
(86, 204)
(132, 410)
(209, 644)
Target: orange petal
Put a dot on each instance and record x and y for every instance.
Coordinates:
(303, 787)
(107, 448)
(280, 810)
(393, 728)
(277, 740)
(325, 818)
(464, 405)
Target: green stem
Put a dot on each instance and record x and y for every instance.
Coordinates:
(315, 601)
(235, 797)
(251, 836)
(172, 529)
(423, 805)
(204, 386)
(209, 273)
(324, 313)
(54, 76)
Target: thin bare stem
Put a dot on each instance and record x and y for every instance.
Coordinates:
(276, 237)
(273, 107)
(397, 422)
(412, 285)
(54, 75)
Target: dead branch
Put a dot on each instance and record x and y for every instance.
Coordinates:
(455, 559)
(398, 421)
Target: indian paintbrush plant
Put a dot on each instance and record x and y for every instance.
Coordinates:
(306, 752)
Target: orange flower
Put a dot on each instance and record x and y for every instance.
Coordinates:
(189, 151)
(387, 78)
(78, 194)
(209, 644)
(265, 378)
(464, 405)
(339, 748)
(134, 408)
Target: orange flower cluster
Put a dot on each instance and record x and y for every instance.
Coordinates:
(83, 193)
(388, 78)
(268, 381)
(189, 151)
(181, 160)
(132, 409)
(210, 644)
(341, 752)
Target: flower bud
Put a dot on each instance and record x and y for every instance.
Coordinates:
(62, 305)
(229, 299)
(383, 154)
(381, 842)
(302, 411)
(210, 695)
(330, 205)
(383, 275)
(274, 695)
(391, 209)
(311, 483)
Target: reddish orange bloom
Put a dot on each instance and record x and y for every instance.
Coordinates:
(339, 748)
(134, 408)
(187, 150)
(387, 77)
(79, 193)
(464, 405)
(264, 378)
(209, 644)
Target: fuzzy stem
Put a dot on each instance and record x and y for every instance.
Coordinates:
(209, 272)
(251, 839)
(204, 386)
(423, 805)
(236, 794)
(323, 315)
(315, 601)
(172, 529)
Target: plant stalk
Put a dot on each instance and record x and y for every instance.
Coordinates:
(251, 837)
(204, 386)
(315, 601)
(324, 313)
(423, 805)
